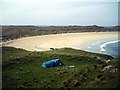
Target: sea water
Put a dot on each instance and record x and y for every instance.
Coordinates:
(106, 46)
(111, 48)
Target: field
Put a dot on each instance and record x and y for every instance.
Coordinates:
(22, 69)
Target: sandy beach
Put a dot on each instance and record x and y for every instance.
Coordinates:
(45, 42)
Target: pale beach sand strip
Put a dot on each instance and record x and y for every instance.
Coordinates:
(41, 43)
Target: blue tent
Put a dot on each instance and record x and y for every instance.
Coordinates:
(52, 63)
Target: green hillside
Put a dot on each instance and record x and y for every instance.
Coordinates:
(22, 69)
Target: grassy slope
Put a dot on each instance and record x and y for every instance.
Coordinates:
(22, 69)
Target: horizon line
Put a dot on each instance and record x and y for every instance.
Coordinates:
(55, 25)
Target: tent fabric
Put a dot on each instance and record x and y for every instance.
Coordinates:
(52, 63)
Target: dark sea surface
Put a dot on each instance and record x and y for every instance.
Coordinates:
(106, 46)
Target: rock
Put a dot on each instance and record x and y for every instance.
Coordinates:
(103, 65)
(106, 67)
(76, 83)
(108, 61)
(52, 48)
(114, 70)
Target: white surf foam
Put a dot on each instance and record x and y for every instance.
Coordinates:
(89, 47)
(103, 45)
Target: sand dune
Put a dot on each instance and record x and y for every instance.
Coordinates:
(40, 43)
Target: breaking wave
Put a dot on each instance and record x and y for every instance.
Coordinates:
(103, 45)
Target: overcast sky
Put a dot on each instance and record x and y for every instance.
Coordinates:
(62, 12)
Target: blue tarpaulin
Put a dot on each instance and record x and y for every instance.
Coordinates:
(52, 63)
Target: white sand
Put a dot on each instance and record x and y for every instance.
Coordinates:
(45, 42)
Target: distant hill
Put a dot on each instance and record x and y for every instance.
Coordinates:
(15, 32)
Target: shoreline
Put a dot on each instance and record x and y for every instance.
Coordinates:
(45, 42)
(100, 46)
